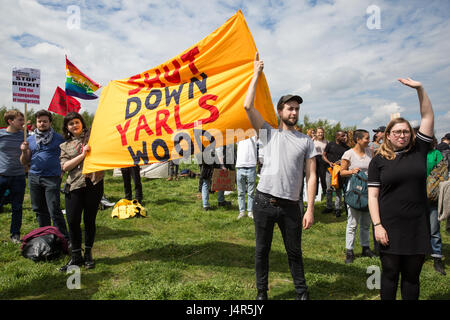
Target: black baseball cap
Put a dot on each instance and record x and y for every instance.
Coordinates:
(380, 129)
(447, 136)
(287, 98)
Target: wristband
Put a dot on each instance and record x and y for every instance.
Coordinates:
(377, 224)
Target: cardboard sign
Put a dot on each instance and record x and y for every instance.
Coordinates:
(223, 180)
(26, 85)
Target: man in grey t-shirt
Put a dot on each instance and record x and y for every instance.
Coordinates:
(12, 172)
(278, 192)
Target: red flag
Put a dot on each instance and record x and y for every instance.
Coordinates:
(62, 104)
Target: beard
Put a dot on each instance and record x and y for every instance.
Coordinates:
(290, 122)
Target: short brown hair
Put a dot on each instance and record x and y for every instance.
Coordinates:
(44, 113)
(11, 115)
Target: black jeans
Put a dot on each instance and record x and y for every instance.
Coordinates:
(85, 199)
(16, 186)
(321, 169)
(288, 216)
(409, 267)
(45, 202)
(127, 174)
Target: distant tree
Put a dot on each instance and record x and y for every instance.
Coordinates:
(57, 123)
(330, 129)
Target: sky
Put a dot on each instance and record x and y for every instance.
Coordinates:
(342, 57)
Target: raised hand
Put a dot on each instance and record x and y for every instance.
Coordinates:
(259, 64)
(410, 83)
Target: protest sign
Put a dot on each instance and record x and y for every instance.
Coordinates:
(191, 102)
(26, 85)
(223, 180)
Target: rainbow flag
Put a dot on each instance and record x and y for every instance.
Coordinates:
(78, 84)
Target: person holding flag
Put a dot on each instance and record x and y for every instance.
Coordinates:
(83, 192)
(286, 151)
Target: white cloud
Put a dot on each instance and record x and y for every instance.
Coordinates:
(381, 115)
(324, 52)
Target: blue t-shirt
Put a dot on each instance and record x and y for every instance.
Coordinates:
(10, 153)
(45, 161)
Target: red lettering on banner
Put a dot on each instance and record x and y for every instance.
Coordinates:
(140, 85)
(181, 126)
(123, 132)
(153, 81)
(175, 77)
(140, 126)
(190, 56)
(162, 122)
(212, 109)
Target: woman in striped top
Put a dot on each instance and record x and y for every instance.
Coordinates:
(398, 200)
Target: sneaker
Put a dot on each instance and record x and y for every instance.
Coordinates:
(224, 204)
(262, 295)
(366, 252)
(15, 238)
(226, 193)
(349, 257)
(337, 213)
(250, 214)
(206, 208)
(241, 215)
(327, 210)
(439, 266)
(104, 201)
(302, 296)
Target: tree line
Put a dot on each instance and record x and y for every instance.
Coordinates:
(57, 123)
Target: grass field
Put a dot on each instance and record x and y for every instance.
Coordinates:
(181, 252)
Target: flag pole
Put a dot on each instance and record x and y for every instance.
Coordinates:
(25, 129)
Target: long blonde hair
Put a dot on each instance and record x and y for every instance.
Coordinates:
(386, 149)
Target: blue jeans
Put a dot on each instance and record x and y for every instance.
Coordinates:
(246, 181)
(288, 215)
(45, 202)
(205, 193)
(16, 185)
(436, 240)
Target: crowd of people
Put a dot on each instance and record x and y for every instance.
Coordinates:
(396, 164)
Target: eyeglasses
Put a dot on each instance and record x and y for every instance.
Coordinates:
(397, 133)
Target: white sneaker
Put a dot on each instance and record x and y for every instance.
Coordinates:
(241, 215)
(250, 214)
(226, 193)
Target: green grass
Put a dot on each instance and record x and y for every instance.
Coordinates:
(181, 252)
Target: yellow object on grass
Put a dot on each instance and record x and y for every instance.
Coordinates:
(125, 209)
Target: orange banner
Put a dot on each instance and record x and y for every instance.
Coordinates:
(183, 105)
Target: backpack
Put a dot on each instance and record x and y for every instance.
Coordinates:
(357, 195)
(436, 176)
(43, 244)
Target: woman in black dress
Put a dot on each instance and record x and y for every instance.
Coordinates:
(398, 200)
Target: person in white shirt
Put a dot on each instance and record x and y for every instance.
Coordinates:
(247, 157)
(321, 167)
(352, 161)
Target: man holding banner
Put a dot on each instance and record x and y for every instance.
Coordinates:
(278, 191)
